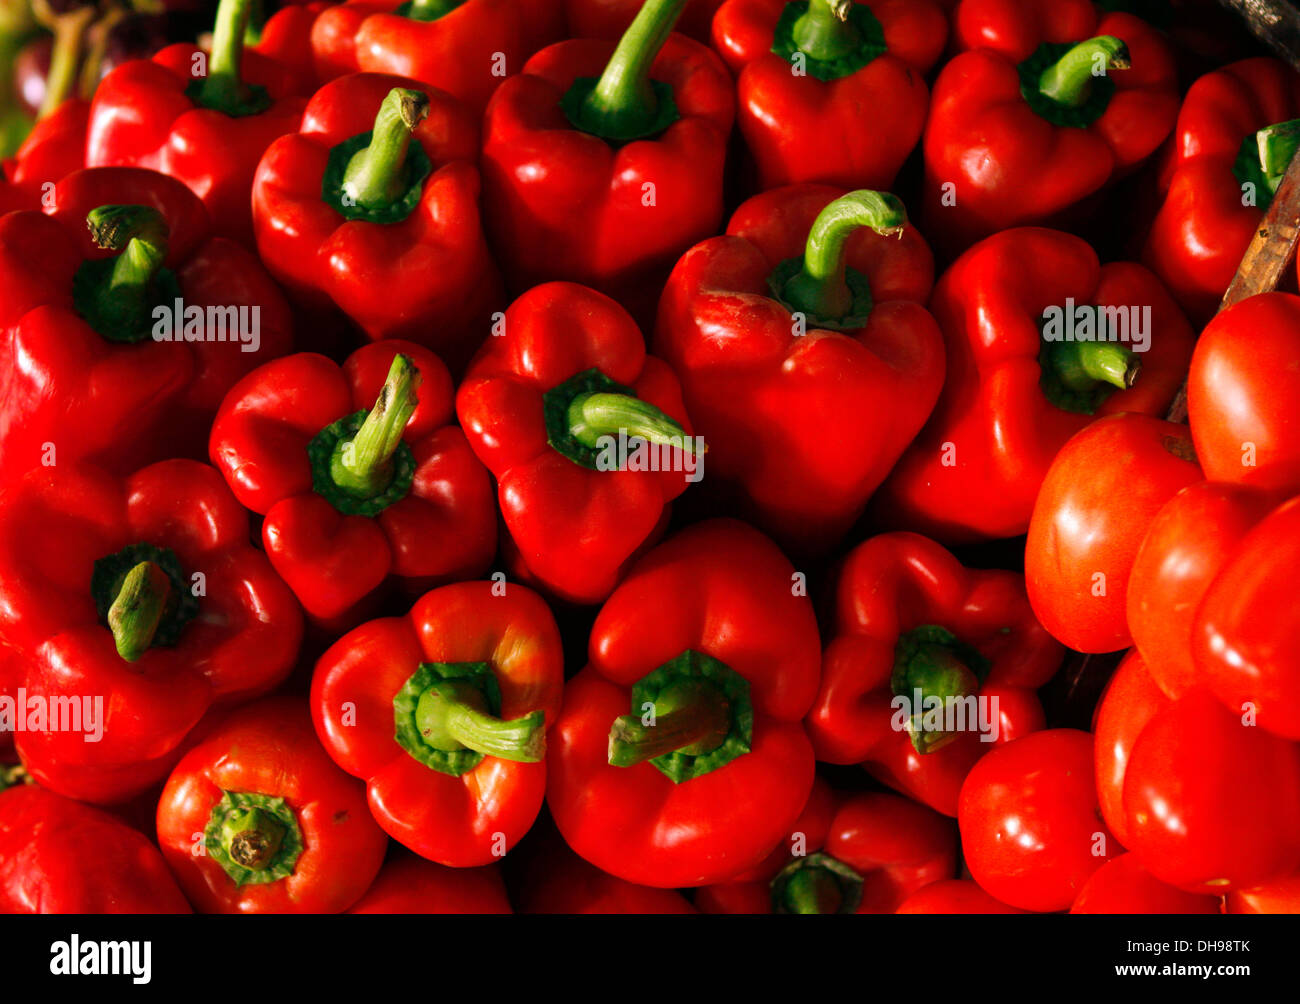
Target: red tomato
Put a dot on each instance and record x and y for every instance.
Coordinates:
(1122, 885)
(954, 896)
(1100, 495)
(1130, 701)
(1211, 804)
(1030, 826)
(1243, 393)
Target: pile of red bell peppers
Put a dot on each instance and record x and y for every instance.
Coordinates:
(600, 456)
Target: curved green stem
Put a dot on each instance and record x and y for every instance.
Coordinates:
(593, 416)
(1069, 80)
(138, 609)
(376, 176)
(363, 465)
(65, 57)
(825, 31)
(452, 715)
(252, 837)
(691, 716)
(819, 288)
(223, 89)
(140, 234)
(1080, 366)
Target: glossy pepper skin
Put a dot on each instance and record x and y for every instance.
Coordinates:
(411, 885)
(92, 383)
(995, 159)
(286, 37)
(418, 510)
(1122, 885)
(705, 633)
(463, 47)
(1098, 500)
(775, 374)
(283, 829)
(909, 616)
(1207, 214)
(396, 244)
(610, 193)
(576, 514)
(472, 677)
(207, 130)
(878, 850)
(830, 91)
(60, 856)
(610, 18)
(953, 896)
(1012, 398)
(54, 148)
(225, 628)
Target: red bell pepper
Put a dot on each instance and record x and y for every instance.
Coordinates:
(1235, 135)
(544, 405)
(59, 856)
(610, 18)
(912, 621)
(781, 409)
(54, 148)
(351, 213)
(1018, 386)
(1031, 833)
(810, 829)
(1187, 544)
(205, 120)
(257, 819)
(1028, 132)
(464, 47)
(1097, 502)
(473, 678)
(83, 377)
(878, 850)
(1280, 896)
(602, 164)
(953, 896)
(286, 37)
(1243, 394)
(355, 500)
(679, 758)
(410, 885)
(1127, 705)
(830, 90)
(139, 603)
(1122, 885)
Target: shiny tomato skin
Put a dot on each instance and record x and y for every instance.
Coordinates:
(1031, 830)
(1122, 885)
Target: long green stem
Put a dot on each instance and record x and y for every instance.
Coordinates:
(1081, 365)
(362, 466)
(593, 416)
(140, 234)
(623, 98)
(690, 716)
(65, 56)
(138, 609)
(223, 88)
(453, 715)
(1068, 81)
(375, 175)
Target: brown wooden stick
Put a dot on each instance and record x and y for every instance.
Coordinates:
(1275, 22)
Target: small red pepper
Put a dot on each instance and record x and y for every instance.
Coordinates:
(913, 622)
(350, 213)
(1027, 131)
(205, 120)
(257, 819)
(54, 148)
(139, 603)
(878, 850)
(830, 90)
(357, 500)
(464, 47)
(812, 303)
(544, 405)
(84, 378)
(602, 164)
(472, 677)
(679, 758)
(64, 857)
(411, 885)
(286, 37)
(1236, 133)
(1018, 385)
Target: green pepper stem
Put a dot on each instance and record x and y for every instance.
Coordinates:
(452, 715)
(592, 416)
(431, 10)
(819, 287)
(222, 87)
(623, 97)
(1277, 145)
(140, 234)
(691, 716)
(65, 56)
(1068, 81)
(813, 891)
(825, 32)
(363, 465)
(138, 609)
(374, 175)
(252, 837)
(1080, 366)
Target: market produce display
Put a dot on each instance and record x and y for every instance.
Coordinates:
(647, 457)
